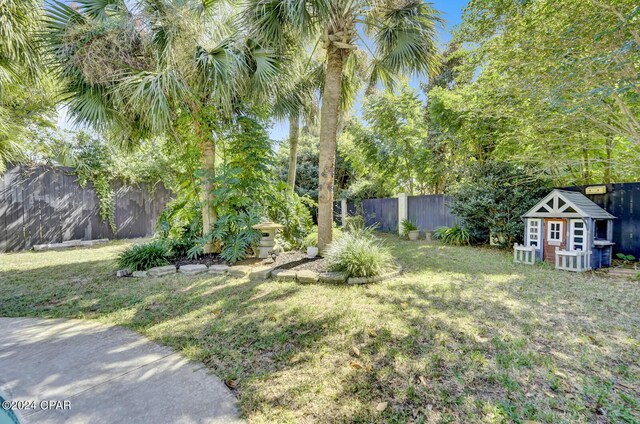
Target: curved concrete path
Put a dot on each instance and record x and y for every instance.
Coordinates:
(107, 375)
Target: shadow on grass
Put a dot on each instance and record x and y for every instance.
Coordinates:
(483, 337)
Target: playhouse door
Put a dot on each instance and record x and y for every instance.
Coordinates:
(555, 238)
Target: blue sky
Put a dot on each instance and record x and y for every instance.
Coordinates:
(451, 12)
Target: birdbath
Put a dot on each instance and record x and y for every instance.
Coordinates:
(268, 230)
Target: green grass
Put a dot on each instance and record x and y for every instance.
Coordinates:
(463, 336)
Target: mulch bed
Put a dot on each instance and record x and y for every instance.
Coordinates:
(295, 260)
(208, 259)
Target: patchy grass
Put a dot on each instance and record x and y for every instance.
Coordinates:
(463, 336)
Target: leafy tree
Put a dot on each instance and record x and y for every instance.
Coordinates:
(493, 196)
(393, 144)
(403, 33)
(555, 86)
(174, 68)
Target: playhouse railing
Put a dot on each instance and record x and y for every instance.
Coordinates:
(524, 254)
(573, 260)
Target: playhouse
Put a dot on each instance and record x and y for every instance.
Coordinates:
(567, 230)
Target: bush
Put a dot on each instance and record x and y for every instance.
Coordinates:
(293, 213)
(492, 198)
(358, 254)
(453, 235)
(407, 227)
(180, 226)
(311, 240)
(141, 257)
(353, 223)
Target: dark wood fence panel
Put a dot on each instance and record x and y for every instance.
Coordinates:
(622, 201)
(429, 212)
(381, 212)
(47, 205)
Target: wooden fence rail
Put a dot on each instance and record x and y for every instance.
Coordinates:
(47, 205)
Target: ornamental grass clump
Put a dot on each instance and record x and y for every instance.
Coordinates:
(141, 257)
(359, 254)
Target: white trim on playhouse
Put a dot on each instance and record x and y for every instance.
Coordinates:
(567, 204)
(586, 235)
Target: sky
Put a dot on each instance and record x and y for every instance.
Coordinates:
(451, 11)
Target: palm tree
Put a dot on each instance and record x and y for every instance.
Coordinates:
(135, 68)
(295, 100)
(19, 64)
(403, 35)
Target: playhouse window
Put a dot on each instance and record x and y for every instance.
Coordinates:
(534, 232)
(577, 235)
(555, 231)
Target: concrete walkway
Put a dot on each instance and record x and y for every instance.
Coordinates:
(106, 375)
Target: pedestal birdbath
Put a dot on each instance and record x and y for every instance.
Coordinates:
(269, 230)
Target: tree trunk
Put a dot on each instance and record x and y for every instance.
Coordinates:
(294, 137)
(206, 187)
(328, 135)
(609, 163)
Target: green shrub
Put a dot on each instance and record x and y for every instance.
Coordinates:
(407, 226)
(293, 213)
(455, 235)
(311, 240)
(353, 223)
(358, 254)
(493, 196)
(141, 257)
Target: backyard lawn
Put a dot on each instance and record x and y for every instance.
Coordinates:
(463, 336)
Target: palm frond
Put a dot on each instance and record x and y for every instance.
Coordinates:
(405, 37)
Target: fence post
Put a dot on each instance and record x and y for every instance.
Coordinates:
(343, 210)
(403, 210)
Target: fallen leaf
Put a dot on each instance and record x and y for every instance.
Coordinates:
(381, 406)
(423, 380)
(356, 365)
(356, 351)
(372, 333)
(232, 384)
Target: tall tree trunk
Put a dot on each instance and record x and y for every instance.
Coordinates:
(294, 137)
(328, 135)
(608, 164)
(206, 188)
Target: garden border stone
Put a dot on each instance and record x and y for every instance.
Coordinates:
(239, 271)
(219, 269)
(284, 275)
(377, 278)
(333, 277)
(306, 276)
(139, 274)
(261, 273)
(161, 271)
(193, 269)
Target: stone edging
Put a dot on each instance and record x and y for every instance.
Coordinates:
(262, 273)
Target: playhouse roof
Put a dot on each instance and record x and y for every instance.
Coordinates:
(567, 204)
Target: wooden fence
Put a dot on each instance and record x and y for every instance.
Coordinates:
(432, 211)
(622, 201)
(47, 205)
(382, 213)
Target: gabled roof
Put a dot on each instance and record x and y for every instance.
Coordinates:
(567, 204)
